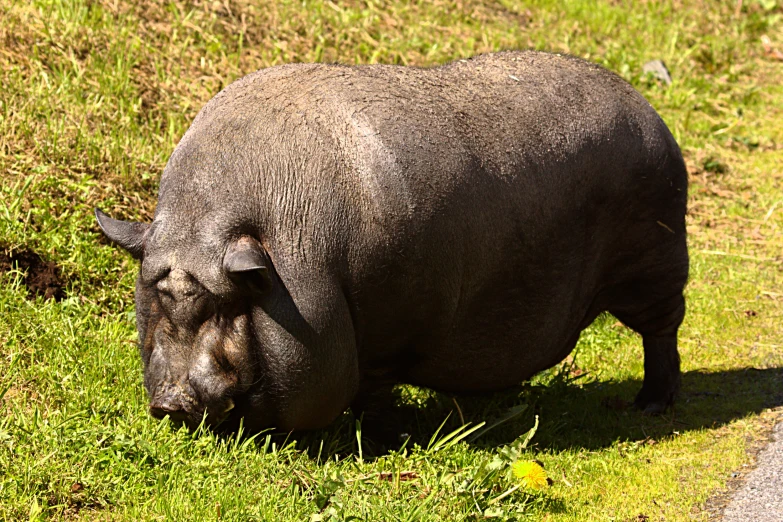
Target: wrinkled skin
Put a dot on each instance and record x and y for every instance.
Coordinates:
(323, 231)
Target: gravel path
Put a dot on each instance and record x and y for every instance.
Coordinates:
(760, 499)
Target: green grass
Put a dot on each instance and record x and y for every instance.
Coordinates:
(94, 96)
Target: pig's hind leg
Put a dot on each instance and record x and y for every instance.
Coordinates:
(656, 314)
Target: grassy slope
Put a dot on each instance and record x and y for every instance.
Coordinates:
(94, 97)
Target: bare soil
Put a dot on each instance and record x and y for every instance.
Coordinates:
(41, 277)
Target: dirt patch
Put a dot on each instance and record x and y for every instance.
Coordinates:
(40, 277)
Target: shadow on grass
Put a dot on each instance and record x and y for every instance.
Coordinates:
(588, 416)
(598, 414)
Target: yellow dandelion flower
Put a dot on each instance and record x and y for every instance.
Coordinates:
(530, 473)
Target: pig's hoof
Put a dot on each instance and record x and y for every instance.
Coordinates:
(652, 408)
(653, 404)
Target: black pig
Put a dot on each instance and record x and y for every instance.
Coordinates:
(323, 230)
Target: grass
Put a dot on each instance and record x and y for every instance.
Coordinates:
(95, 95)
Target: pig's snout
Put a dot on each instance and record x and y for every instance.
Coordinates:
(181, 406)
(171, 400)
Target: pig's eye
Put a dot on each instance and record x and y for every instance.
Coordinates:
(165, 299)
(179, 286)
(255, 280)
(164, 294)
(164, 289)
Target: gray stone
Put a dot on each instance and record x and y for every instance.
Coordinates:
(657, 69)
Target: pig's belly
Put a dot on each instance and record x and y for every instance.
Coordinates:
(492, 359)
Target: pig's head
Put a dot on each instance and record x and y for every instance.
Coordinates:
(197, 347)
(221, 339)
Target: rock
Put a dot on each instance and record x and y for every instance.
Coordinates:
(657, 69)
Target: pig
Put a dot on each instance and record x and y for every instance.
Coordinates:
(325, 231)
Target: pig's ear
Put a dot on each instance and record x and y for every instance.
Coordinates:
(126, 234)
(245, 260)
